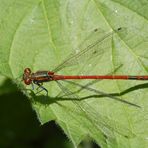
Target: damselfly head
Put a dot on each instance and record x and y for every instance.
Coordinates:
(27, 76)
(27, 71)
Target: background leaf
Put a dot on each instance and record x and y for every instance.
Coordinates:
(41, 34)
(18, 121)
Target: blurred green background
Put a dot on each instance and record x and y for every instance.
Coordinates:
(19, 126)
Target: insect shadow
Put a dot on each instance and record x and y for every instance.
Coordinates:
(47, 100)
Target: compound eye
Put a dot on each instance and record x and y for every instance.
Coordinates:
(27, 70)
(27, 81)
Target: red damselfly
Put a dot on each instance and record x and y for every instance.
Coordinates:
(39, 77)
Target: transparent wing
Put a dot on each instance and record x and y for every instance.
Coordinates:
(92, 82)
(98, 92)
(101, 93)
(101, 123)
(95, 45)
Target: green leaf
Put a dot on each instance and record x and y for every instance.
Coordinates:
(40, 34)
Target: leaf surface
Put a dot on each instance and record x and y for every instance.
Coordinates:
(40, 34)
